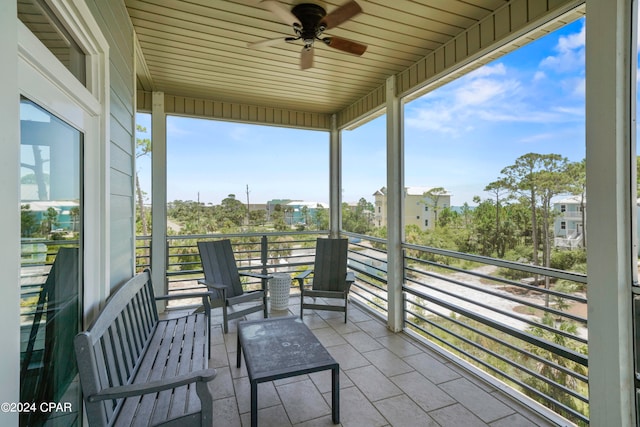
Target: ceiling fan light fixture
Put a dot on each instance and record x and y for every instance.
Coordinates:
(309, 21)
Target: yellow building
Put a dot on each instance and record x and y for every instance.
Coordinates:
(421, 206)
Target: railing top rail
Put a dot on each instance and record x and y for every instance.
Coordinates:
(243, 234)
(364, 237)
(534, 269)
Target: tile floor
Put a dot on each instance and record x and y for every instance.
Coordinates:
(386, 379)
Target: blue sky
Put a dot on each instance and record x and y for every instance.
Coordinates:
(459, 136)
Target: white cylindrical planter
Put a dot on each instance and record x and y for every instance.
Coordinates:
(279, 288)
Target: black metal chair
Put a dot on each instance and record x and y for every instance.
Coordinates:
(221, 275)
(330, 277)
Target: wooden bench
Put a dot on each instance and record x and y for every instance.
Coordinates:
(136, 369)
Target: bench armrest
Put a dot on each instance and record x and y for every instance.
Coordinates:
(206, 298)
(204, 375)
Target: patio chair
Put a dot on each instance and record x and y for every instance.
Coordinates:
(221, 276)
(330, 277)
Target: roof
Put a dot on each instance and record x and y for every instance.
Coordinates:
(419, 191)
(310, 205)
(576, 200)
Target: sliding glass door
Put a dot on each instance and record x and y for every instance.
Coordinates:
(51, 266)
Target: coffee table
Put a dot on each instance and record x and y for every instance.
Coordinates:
(280, 348)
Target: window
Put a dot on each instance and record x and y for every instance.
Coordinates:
(43, 23)
(426, 208)
(563, 225)
(426, 222)
(563, 208)
(417, 216)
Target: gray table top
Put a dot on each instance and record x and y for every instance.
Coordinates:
(281, 347)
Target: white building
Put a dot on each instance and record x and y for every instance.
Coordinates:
(568, 225)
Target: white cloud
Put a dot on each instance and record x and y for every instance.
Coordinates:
(570, 53)
(539, 75)
(500, 94)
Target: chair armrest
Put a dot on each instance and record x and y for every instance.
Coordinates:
(351, 276)
(302, 276)
(183, 296)
(203, 375)
(216, 286)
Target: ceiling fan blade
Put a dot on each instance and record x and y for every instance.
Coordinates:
(341, 14)
(306, 58)
(265, 43)
(281, 12)
(345, 45)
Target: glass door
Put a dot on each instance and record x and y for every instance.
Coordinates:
(51, 267)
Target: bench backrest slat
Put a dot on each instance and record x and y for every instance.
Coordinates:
(109, 352)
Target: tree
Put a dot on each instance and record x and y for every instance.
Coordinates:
(75, 217)
(500, 190)
(28, 221)
(50, 221)
(143, 147)
(277, 218)
(357, 220)
(322, 218)
(432, 199)
(539, 177)
(232, 210)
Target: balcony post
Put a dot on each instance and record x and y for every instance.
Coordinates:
(159, 195)
(611, 60)
(10, 194)
(335, 179)
(395, 197)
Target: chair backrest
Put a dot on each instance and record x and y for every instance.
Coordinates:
(330, 268)
(219, 265)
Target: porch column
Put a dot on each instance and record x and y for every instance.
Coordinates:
(10, 225)
(395, 197)
(335, 179)
(158, 194)
(611, 208)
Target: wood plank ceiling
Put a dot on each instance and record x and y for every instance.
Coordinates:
(198, 48)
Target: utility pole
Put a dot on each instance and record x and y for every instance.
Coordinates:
(248, 207)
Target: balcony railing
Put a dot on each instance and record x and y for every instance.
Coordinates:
(522, 324)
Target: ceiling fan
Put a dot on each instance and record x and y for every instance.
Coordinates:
(309, 21)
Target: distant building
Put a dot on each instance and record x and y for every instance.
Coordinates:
(568, 227)
(66, 220)
(419, 208)
(302, 213)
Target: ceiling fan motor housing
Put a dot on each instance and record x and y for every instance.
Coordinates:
(310, 15)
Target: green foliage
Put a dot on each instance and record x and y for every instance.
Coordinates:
(358, 220)
(28, 221)
(568, 260)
